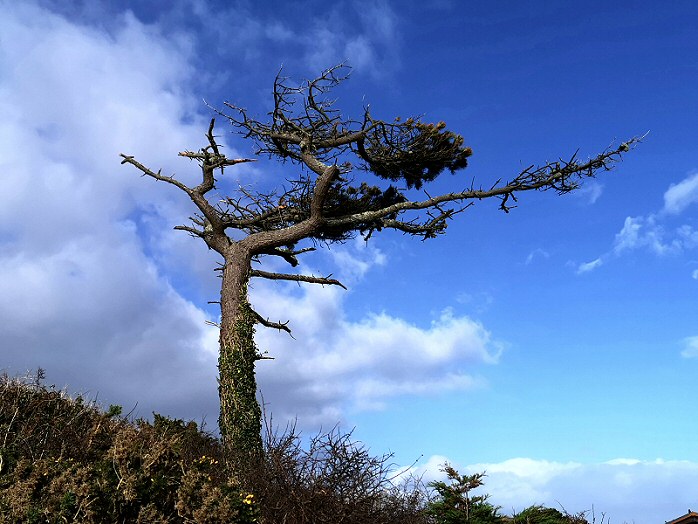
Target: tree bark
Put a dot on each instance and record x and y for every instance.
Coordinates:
(240, 419)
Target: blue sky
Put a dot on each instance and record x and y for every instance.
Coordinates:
(554, 347)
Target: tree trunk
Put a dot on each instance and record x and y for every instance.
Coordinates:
(240, 420)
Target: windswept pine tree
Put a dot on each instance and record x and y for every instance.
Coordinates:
(355, 177)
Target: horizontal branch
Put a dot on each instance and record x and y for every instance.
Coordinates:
(193, 231)
(289, 255)
(297, 278)
(281, 326)
(550, 176)
(157, 176)
(428, 228)
(221, 159)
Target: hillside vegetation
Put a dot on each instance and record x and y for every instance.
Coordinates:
(64, 459)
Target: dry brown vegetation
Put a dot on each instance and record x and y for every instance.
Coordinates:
(63, 459)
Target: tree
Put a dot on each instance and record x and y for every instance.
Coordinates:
(355, 177)
(455, 505)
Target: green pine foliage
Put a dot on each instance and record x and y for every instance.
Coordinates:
(454, 503)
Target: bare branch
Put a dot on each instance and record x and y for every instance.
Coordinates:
(191, 230)
(436, 223)
(157, 176)
(297, 278)
(288, 255)
(281, 326)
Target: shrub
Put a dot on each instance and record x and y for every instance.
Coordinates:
(541, 515)
(334, 480)
(62, 459)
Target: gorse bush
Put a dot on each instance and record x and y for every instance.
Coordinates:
(64, 460)
(542, 515)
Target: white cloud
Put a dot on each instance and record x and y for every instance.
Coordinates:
(638, 232)
(681, 195)
(478, 302)
(623, 462)
(80, 296)
(624, 490)
(356, 261)
(342, 364)
(653, 231)
(535, 471)
(648, 232)
(694, 274)
(88, 270)
(589, 266)
(690, 349)
(370, 44)
(536, 253)
(363, 34)
(687, 237)
(591, 191)
(629, 236)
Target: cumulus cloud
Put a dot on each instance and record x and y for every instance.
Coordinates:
(337, 364)
(82, 295)
(89, 268)
(657, 232)
(648, 232)
(629, 235)
(682, 194)
(623, 489)
(355, 263)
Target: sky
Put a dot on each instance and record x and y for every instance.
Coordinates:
(553, 347)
